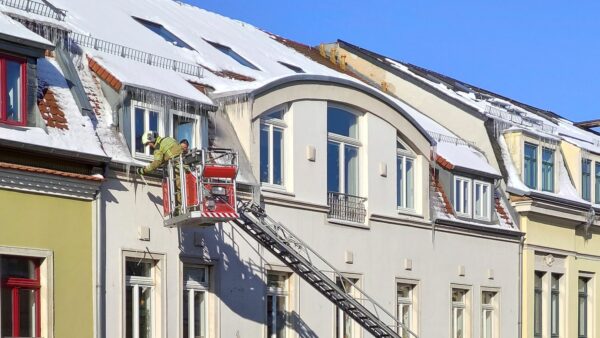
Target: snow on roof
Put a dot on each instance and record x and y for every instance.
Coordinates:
(113, 20)
(156, 79)
(455, 150)
(79, 136)
(11, 28)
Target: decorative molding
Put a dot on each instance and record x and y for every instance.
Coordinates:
(48, 184)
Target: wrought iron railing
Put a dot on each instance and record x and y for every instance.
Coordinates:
(36, 7)
(135, 54)
(346, 207)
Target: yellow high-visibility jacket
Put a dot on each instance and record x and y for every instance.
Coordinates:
(165, 148)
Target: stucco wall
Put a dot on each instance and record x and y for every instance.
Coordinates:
(63, 226)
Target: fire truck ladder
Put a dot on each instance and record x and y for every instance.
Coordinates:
(297, 255)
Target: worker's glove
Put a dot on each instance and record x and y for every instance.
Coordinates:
(140, 171)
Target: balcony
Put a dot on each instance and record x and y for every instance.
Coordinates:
(346, 207)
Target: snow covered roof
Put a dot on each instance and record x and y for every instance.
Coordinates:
(212, 41)
(78, 137)
(14, 31)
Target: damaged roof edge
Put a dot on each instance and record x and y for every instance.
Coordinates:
(329, 79)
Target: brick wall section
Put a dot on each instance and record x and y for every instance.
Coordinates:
(51, 113)
(104, 74)
(502, 212)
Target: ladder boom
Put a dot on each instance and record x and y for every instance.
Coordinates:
(303, 260)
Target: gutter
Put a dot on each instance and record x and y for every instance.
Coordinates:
(520, 281)
(458, 224)
(543, 197)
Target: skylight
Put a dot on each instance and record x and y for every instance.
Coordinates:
(163, 33)
(237, 57)
(292, 67)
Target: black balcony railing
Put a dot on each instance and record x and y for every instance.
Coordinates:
(346, 207)
(36, 7)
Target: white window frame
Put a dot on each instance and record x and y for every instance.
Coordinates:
(487, 204)
(465, 306)
(494, 308)
(540, 145)
(196, 142)
(469, 190)
(339, 313)
(274, 123)
(147, 108)
(194, 287)
(137, 282)
(344, 141)
(278, 292)
(406, 154)
(410, 301)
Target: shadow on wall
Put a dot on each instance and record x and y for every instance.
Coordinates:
(240, 283)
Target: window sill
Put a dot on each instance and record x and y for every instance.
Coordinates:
(276, 189)
(407, 212)
(347, 223)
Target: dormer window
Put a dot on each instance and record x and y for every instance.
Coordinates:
(539, 167)
(482, 201)
(530, 171)
(145, 117)
(586, 179)
(13, 84)
(462, 196)
(296, 69)
(163, 33)
(232, 54)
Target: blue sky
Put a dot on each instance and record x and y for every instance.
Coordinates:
(544, 53)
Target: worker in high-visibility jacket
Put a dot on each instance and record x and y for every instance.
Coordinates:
(165, 148)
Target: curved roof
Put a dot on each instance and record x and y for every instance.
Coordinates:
(314, 78)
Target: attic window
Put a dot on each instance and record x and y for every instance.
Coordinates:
(163, 33)
(292, 67)
(237, 57)
(13, 90)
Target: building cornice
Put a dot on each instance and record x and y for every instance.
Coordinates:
(49, 184)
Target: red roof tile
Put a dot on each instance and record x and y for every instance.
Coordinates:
(51, 112)
(104, 74)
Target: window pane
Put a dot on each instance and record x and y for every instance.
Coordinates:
(466, 192)
(537, 305)
(597, 198)
(485, 201)
(145, 308)
(586, 184)
(163, 33)
(138, 268)
(531, 165)
(351, 168)
(405, 320)
(264, 153)
(400, 182)
(478, 202)
(488, 324)
(281, 316)
(183, 128)
(547, 169)
(129, 311)
(18, 267)
(152, 125)
(139, 129)
(460, 323)
(13, 91)
(333, 167)
(186, 314)
(199, 314)
(6, 312)
(458, 196)
(270, 316)
(487, 298)
(27, 310)
(194, 274)
(341, 122)
(410, 180)
(277, 156)
(404, 290)
(277, 281)
(278, 115)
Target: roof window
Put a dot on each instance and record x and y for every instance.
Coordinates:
(292, 67)
(163, 33)
(237, 57)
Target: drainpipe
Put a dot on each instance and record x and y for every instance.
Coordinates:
(100, 263)
(520, 305)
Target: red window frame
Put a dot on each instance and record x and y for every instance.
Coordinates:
(16, 284)
(3, 98)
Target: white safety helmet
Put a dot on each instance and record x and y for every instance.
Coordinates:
(149, 136)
